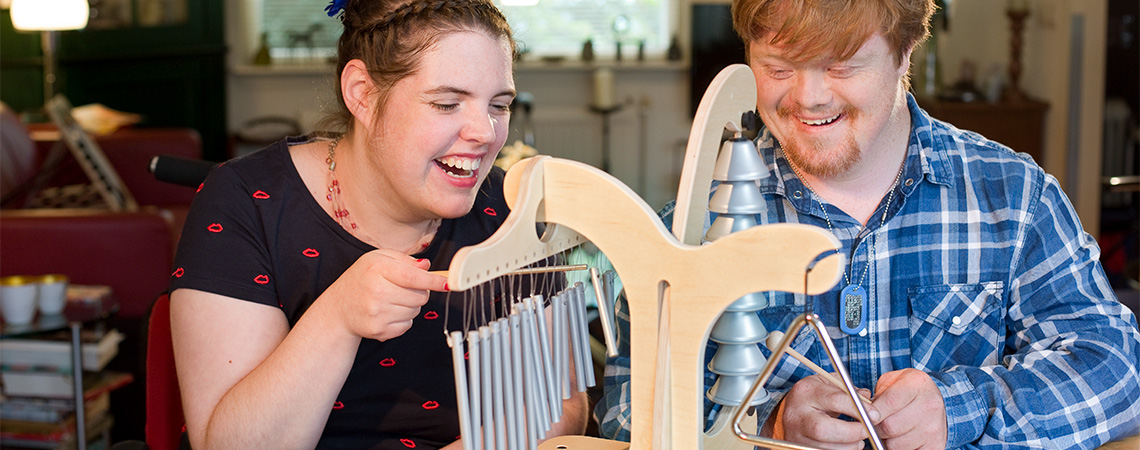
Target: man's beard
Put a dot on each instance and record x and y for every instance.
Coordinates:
(827, 162)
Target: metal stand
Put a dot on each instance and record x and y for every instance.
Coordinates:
(77, 380)
(47, 45)
(605, 112)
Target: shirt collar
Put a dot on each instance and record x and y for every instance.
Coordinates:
(926, 159)
(928, 148)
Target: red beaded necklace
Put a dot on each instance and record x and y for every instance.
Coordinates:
(339, 211)
(345, 219)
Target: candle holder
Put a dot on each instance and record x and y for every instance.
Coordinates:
(1017, 16)
(606, 111)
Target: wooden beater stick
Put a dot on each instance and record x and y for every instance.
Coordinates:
(773, 342)
(531, 270)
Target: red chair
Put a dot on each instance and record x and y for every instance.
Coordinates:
(164, 421)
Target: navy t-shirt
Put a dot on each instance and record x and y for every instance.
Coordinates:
(254, 232)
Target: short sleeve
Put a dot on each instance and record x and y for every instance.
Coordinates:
(222, 247)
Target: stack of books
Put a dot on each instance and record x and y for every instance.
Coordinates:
(37, 407)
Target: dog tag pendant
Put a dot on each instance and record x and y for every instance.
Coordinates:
(853, 308)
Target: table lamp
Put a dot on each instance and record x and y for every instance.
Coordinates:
(48, 17)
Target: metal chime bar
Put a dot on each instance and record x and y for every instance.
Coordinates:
(497, 390)
(533, 416)
(602, 292)
(455, 341)
(551, 374)
(474, 372)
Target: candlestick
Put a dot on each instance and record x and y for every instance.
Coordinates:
(604, 97)
(1017, 15)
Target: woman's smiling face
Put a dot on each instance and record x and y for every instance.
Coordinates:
(443, 126)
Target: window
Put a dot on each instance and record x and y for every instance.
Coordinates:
(299, 28)
(560, 27)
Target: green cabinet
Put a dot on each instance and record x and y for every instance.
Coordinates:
(167, 65)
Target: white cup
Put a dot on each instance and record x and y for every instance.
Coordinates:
(18, 299)
(53, 294)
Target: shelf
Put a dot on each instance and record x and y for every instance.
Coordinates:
(291, 70)
(1020, 125)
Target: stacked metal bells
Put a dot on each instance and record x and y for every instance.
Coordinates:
(739, 332)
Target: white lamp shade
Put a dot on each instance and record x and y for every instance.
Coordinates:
(48, 15)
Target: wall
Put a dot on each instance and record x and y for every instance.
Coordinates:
(647, 134)
(1073, 131)
(658, 94)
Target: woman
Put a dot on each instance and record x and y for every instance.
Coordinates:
(303, 312)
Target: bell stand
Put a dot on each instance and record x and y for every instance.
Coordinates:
(728, 95)
(675, 290)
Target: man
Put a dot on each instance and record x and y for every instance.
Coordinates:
(989, 319)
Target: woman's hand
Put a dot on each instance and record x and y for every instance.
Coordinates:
(381, 293)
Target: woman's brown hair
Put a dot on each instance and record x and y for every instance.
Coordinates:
(390, 36)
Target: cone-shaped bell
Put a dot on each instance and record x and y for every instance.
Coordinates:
(751, 302)
(737, 197)
(743, 327)
(730, 390)
(738, 160)
(726, 224)
(739, 359)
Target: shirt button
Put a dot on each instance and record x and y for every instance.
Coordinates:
(863, 333)
(797, 194)
(909, 181)
(957, 320)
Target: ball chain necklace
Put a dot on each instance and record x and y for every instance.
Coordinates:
(853, 298)
(345, 219)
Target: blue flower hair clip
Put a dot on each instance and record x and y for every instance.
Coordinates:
(335, 7)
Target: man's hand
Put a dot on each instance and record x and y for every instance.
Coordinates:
(913, 415)
(809, 415)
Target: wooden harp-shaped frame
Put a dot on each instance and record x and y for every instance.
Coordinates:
(676, 289)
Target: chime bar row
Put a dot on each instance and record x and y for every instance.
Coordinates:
(517, 371)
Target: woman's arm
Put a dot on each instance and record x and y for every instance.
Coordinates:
(247, 381)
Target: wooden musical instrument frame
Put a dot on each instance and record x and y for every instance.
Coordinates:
(676, 288)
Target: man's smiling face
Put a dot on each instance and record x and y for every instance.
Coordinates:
(827, 112)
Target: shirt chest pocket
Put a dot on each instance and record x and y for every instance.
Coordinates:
(956, 324)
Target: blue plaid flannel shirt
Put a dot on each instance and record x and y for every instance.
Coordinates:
(982, 277)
